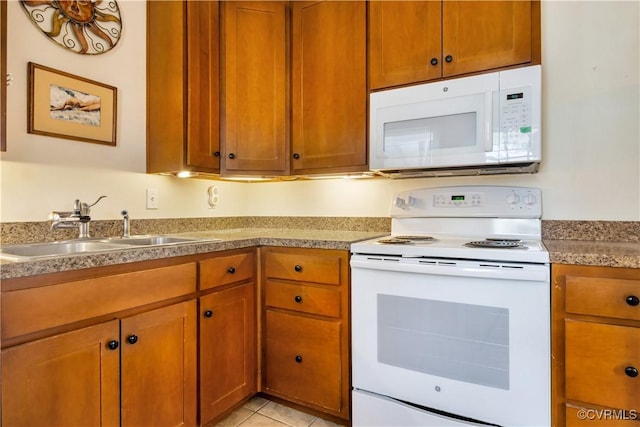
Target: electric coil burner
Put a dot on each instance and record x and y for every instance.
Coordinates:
(405, 240)
(497, 243)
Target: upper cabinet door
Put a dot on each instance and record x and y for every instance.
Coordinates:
(405, 41)
(329, 86)
(3, 74)
(254, 87)
(203, 85)
(413, 42)
(481, 35)
(182, 86)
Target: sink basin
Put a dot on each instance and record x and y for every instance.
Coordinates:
(40, 250)
(69, 247)
(157, 240)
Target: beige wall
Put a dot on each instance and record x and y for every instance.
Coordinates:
(591, 147)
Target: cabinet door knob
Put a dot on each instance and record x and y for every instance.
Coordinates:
(434, 61)
(208, 313)
(112, 345)
(448, 58)
(296, 156)
(232, 156)
(298, 358)
(632, 300)
(231, 270)
(298, 268)
(132, 339)
(631, 371)
(298, 298)
(216, 154)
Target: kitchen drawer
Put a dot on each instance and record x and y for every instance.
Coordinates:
(599, 417)
(321, 300)
(600, 296)
(303, 359)
(599, 363)
(226, 269)
(305, 268)
(35, 309)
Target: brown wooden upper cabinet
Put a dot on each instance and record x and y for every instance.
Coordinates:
(3, 74)
(329, 91)
(416, 41)
(323, 67)
(183, 127)
(254, 87)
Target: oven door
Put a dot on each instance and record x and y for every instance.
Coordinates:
(464, 338)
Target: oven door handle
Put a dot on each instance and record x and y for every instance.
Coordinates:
(489, 270)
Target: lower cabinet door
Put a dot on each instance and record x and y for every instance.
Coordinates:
(70, 379)
(228, 371)
(159, 367)
(303, 359)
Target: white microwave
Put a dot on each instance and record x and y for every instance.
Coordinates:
(483, 124)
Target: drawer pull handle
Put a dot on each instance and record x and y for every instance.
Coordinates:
(298, 298)
(113, 345)
(231, 270)
(631, 371)
(298, 268)
(132, 339)
(298, 359)
(208, 313)
(632, 300)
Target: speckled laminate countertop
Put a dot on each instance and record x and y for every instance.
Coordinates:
(596, 243)
(230, 239)
(596, 253)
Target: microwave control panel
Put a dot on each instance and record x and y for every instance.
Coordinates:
(515, 111)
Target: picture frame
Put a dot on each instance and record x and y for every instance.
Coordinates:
(67, 106)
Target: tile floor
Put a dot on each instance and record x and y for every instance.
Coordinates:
(260, 412)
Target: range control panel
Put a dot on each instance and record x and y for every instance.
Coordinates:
(469, 201)
(448, 200)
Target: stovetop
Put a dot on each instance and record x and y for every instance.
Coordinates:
(442, 222)
(455, 248)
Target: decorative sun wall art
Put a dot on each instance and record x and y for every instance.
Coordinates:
(88, 27)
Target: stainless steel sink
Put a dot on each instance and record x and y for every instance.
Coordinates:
(41, 250)
(69, 247)
(155, 240)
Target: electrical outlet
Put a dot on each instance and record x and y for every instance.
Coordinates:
(152, 198)
(213, 196)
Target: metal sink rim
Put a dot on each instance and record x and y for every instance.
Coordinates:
(74, 247)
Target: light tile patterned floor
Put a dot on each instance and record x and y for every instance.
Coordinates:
(260, 412)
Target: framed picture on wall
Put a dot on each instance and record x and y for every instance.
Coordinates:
(67, 106)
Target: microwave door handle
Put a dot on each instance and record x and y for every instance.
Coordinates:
(488, 121)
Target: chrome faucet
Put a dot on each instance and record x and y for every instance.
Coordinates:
(78, 217)
(126, 230)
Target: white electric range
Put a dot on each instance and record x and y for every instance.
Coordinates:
(451, 312)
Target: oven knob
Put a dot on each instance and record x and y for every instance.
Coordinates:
(513, 199)
(530, 199)
(404, 203)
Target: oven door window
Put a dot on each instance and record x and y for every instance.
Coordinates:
(463, 342)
